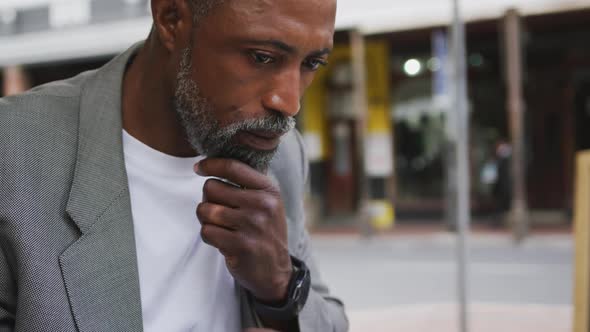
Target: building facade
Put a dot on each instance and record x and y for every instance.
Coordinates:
(389, 156)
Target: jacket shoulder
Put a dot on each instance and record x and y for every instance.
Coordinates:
(55, 100)
(290, 163)
(289, 167)
(39, 130)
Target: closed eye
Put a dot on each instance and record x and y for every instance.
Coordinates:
(261, 58)
(313, 64)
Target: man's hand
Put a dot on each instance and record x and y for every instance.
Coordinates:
(247, 224)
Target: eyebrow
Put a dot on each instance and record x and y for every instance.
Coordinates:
(288, 48)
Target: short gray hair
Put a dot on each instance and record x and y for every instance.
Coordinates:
(201, 8)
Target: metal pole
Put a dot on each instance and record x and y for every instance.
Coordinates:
(442, 100)
(462, 162)
(519, 210)
(359, 72)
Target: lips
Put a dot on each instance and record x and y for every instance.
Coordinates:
(259, 140)
(265, 134)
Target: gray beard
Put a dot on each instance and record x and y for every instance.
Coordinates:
(206, 135)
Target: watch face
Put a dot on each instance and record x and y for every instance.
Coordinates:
(302, 279)
(297, 290)
(301, 290)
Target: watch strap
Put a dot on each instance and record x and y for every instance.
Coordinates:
(297, 293)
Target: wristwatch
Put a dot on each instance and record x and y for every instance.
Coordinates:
(297, 293)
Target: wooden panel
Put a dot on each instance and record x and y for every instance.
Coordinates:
(582, 244)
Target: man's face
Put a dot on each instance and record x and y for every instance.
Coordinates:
(241, 82)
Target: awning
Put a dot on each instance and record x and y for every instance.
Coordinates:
(370, 16)
(375, 16)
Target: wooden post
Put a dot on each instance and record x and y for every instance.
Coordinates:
(359, 72)
(515, 103)
(582, 243)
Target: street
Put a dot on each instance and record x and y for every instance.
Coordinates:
(408, 282)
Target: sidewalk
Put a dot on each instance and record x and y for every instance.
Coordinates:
(429, 228)
(405, 280)
(444, 318)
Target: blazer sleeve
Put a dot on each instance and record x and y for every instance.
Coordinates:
(7, 281)
(7, 299)
(322, 311)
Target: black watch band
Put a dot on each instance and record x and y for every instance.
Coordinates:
(297, 293)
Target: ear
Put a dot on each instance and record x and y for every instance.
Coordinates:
(173, 22)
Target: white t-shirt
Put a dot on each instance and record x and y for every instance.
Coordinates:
(184, 283)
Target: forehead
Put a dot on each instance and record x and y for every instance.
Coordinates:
(303, 23)
(320, 9)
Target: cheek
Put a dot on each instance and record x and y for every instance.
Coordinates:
(233, 91)
(307, 80)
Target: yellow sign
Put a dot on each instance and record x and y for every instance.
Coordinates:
(381, 214)
(378, 94)
(378, 88)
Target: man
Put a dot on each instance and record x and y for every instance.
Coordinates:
(104, 225)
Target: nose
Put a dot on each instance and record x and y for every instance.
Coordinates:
(285, 93)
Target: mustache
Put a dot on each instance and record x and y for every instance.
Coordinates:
(275, 123)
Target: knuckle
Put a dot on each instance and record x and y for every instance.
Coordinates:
(272, 207)
(206, 233)
(258, 219)
(202, 210)
(271, 188)
(209, 212)
(270, 204)
(274, 189)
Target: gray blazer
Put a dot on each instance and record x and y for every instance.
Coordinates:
(67, 249)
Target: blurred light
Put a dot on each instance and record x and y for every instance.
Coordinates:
(433, 64)
(69, 13)
(412, 67)
(133, 2)
(7, 16)
(476, 60)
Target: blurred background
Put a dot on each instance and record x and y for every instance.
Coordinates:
(378, 131)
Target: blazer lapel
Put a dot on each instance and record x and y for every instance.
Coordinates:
(100, 269)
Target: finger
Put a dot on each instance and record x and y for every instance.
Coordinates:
(245, 200)
(228, 195)
(234, 171)
(218, 215)
(222, 193)
(226, 241)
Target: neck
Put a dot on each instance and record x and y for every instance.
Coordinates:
(148, 113)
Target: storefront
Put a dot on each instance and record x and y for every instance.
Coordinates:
(392, 154)
(403, 75)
